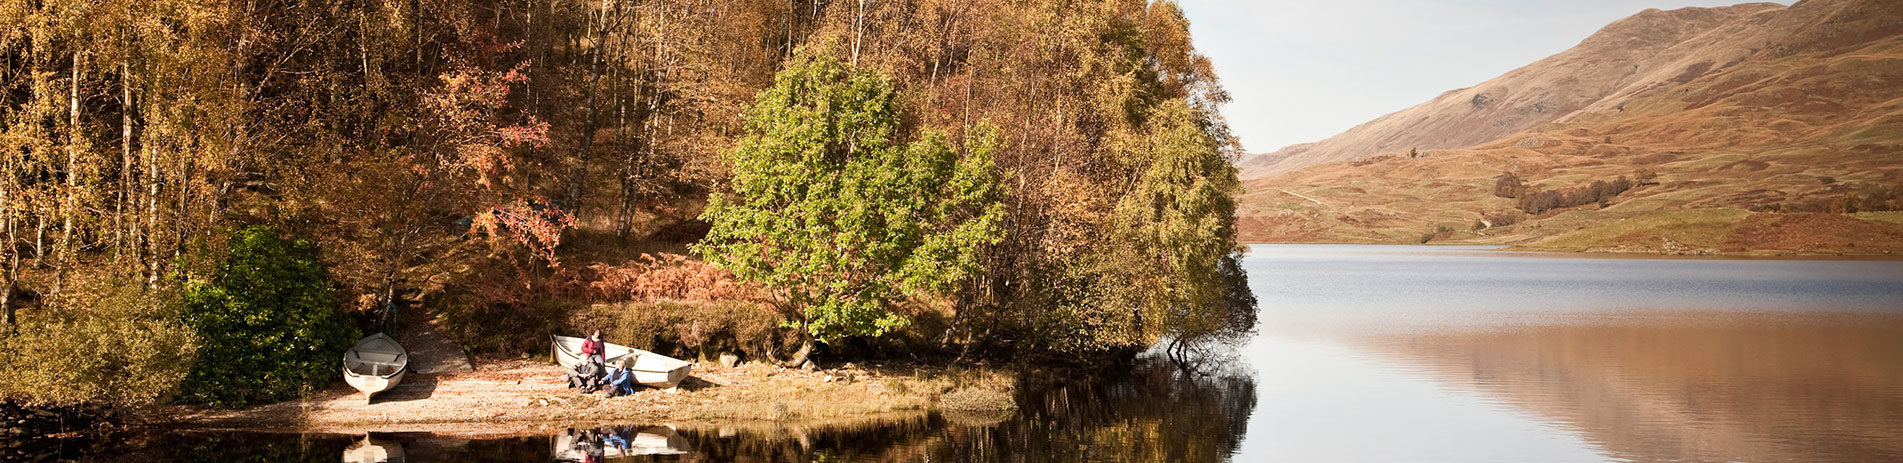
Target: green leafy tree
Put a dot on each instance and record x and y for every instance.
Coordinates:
(836, 216)
(268, 323)
(1176, 230)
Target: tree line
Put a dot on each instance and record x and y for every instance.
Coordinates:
(426, 145)
(1535, 200)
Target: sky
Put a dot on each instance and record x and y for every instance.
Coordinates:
(1303, 70)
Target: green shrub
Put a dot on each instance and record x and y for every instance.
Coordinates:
(118, 348)
(268, 320)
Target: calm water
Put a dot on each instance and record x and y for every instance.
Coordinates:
(1372, 353)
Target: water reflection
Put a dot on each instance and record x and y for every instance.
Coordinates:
(1153, 412)
(1690, 386)
(592, 445)
(1385, 353)
(373, 450)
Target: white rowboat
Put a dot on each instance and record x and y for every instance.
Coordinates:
(650, 369)
(376, 364)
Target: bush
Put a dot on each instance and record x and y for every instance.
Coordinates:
(120, 349)
(504, 316)
(268, 320)
(1508, 185)
(1535, 201)
(1439, 231)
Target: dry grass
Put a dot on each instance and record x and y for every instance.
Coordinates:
(1736, 232)
(1695, 231)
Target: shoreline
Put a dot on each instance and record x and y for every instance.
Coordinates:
(1606, 253)
(512, 396)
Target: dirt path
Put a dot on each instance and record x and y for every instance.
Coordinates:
(430, 352)
(1303, 196)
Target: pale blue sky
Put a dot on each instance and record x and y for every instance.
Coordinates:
(1304, 70)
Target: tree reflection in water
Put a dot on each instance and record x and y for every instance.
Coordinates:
(1156, 412)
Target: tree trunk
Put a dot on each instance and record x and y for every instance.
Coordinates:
(10, 251)
(578, 174)
(119, 223)
(64, 248)
(6, 290)
(800, 356)
(149, 255)
(858, 28)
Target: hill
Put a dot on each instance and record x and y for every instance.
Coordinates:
(1635, 52)
(1759, 126)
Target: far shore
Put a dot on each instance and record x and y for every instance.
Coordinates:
(1632, 253)
(520, 396)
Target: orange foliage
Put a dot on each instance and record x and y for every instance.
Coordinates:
(658, 278)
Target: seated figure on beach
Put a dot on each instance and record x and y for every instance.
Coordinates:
(620, 379)
(589, 373)
(592, 349)
(587, 376)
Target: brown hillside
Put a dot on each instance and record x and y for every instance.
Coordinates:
(1635, 52)
(1778, 110)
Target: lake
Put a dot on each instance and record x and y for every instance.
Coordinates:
(1367, 353)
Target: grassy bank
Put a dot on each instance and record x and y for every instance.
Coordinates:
(1736, 232)
(1692, 232)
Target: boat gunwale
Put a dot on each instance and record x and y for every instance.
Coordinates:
(404, 355)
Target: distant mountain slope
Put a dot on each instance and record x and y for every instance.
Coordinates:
(1770, 111)
(1635, 52)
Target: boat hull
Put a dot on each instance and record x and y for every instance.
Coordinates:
(371, 385)
(650, 369)
(377, 363)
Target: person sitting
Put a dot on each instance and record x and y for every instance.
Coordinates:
(621, 378)
(592, 349)
(583, 375)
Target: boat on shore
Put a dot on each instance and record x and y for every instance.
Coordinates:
(650, 369)
(376, 364)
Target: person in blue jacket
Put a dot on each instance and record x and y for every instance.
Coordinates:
(621, 378)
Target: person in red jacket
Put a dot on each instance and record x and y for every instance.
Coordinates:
(592, 349)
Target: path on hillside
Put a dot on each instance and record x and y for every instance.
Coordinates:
(1299, 195)
(430, 352)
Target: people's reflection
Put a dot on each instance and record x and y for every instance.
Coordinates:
(618, 440)
(591, 444)
(587, 442)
